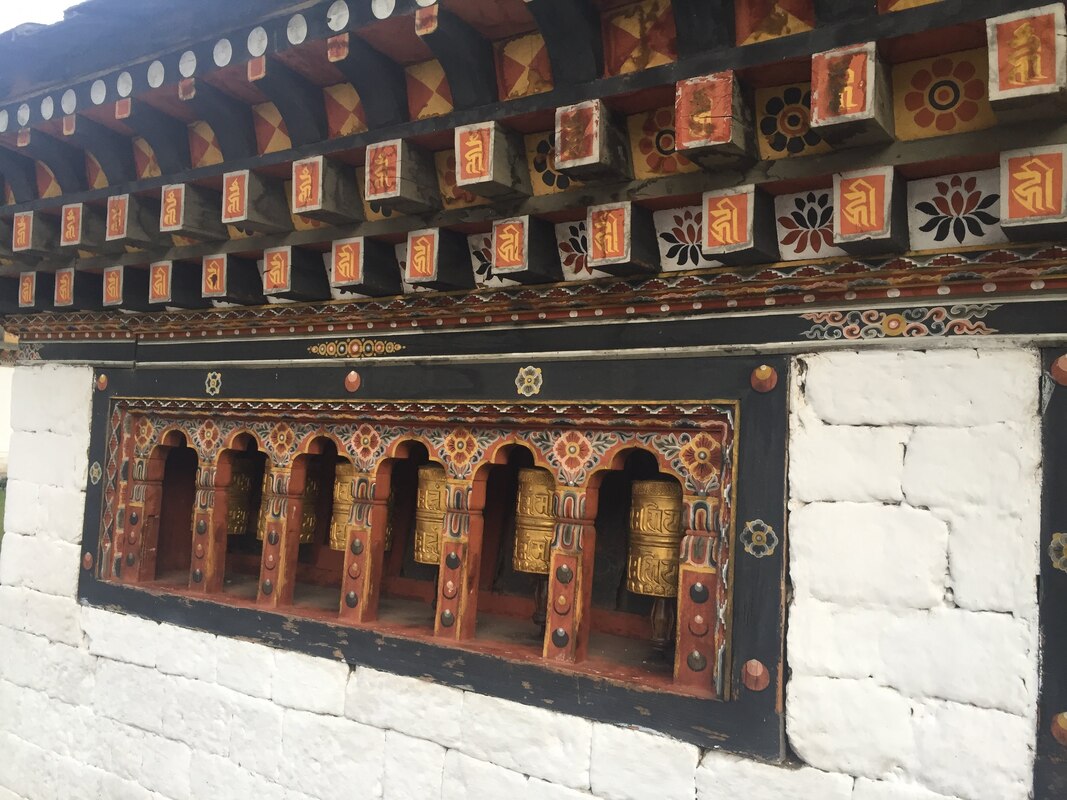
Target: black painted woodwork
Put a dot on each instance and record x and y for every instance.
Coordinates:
(230, 119)
(378, 80)
(381, 271)
(168, 137)
(112, 150)
(465, 56)
(66, 162)
(88, 291)
(299, 102)
(134, 289)
(572, 34)
(244, 285)
(704, 25)
(307, 277)
(185, 287)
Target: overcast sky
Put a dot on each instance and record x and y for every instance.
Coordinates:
(16, 12)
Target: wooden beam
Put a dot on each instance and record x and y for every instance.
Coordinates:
(232, 279)
(299, 101)
(83, 227)
(34, 233)
(378, 80)
(704, 25)
(20, 174)
(168, 137)
(439, 259)
(191, 211)
(112, 150)
(827, 12)
(66, 162)
(491, 161)
(465, 56)
(176, 284)
(126, 287)
(230, 119)
(9, 295)
(294, 274)
(572, 33)
(77, 290)
(254, 203)
(326, 190)
(36, 291)
(525, 250)
(132, 220)
(364, 266)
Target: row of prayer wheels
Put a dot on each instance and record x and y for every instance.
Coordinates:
(654, 536)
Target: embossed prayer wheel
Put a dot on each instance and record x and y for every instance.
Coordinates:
(430, 504)
(309, 519)
(238, 496)
(534, 523)
(655, 538)
(342, 505)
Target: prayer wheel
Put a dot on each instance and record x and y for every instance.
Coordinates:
(342, 505)
(309, 519)
(239, 495)
(655, 538)
(430, 503)
(534, 523)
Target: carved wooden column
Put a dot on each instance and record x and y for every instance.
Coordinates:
(461, 558)
(210, 530)
(570, 577)
(365, 548)
(700, 597)
(140, 529)
(280, 514)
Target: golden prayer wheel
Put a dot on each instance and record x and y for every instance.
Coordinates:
(430, 504)
(309, 519)
(342, 505)
(390, 511)
(534, 523)
(238, 495)
(655, 538)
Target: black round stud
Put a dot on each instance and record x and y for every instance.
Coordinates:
(131, 559)
(351, 599)
(564, 574)
(201, 526)
(560, 637)
(198, 576)
(696, 661)
(448, 619)
(268, 586)
(273, 538)
(357, 547)
(452, 561)
(699, 593)
(134, 518)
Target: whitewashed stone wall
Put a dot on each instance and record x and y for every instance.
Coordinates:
(913, 646)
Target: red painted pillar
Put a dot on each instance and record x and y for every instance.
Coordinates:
(570, 576)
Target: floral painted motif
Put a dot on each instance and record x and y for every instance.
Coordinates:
(365, 443)
(702, 457)
(806, 225)
(573, 245)
(785, 123)
(281, 441)
(759, 539)
(208, 437)
(937, 96)
(652, 139)
(541, 157)
(453, 195)
(572, 450)
(529, 381)
(213, 384)
(96, 472)
(957, 209)
(679, 232)
(959, 320)
(461, 448)
(144, 433)
(1057, 551)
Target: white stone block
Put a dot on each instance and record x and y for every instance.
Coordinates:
(416, 707)
(537, 789)
(64, 514)
(68, 674)
(855, 727)
(834, 641)
(58, 619)
(994, 561)
(78, 781)
(307, 683)
(216, 777)
(828, 463)
(723, 776)
(29, 771)
(36, 563)
(868, 553)
(184, 652)
(245, 667)
(52, 398)
(630, 764)
(957, 388)
(114, 788)
(165, 767)
(994, 467)
(130, 694)
(893, 790)
(320, 754)
(23, 511)
(112, 747)
(414, 768)
(49, 459)
(466, 778)
(256, 735)
(541, 743)
(976, 753)
(199, 714)
(121, 637)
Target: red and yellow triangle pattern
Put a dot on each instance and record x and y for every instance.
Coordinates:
(47, 185)
(639, 36)
(144, 159)
(204, 150)
(885, 6)
(760, 20)
(522, 67)
(344, 110)
(271, 133)
(94, 173)
(429, 94)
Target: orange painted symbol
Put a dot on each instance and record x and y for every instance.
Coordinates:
(510, 246)
(860, 206)
(421, 260)
(72, 224)
(724, 221)
(23, 231)
(277, 270)
(346, 262)
(1026, 56)
(575, 134)
(474, 153)
(1034, 185)
(160, 283)
(307, 184)
(173, 197)
(113, 286)
(214, 276)
(27, 289)
(64, 287)
(609, 234)
(116, 216)
(382, 176)
(235, 185)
